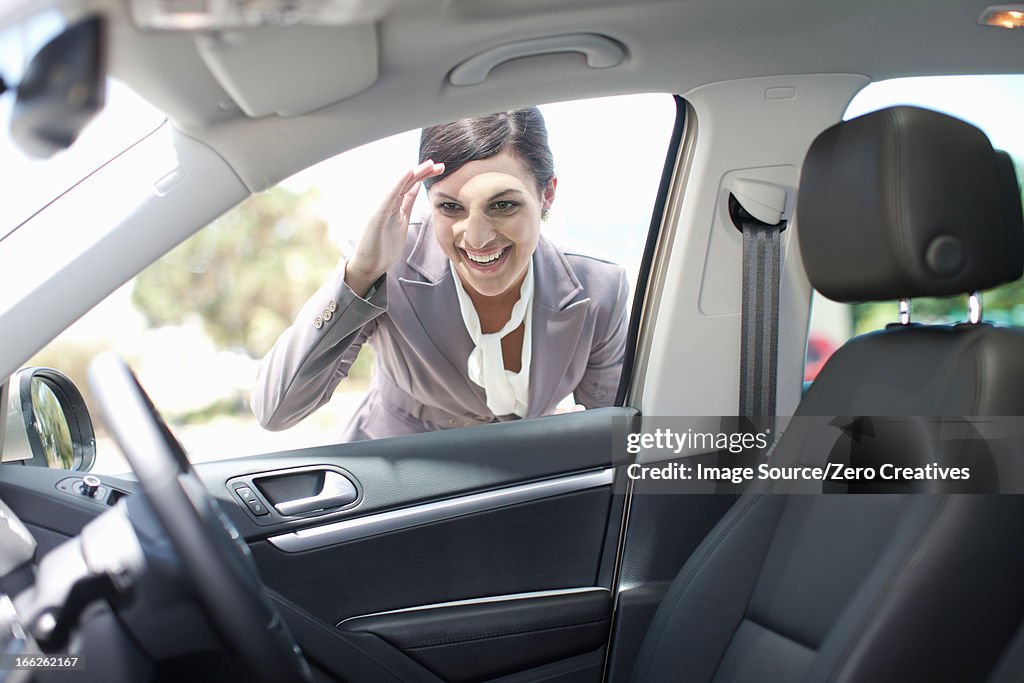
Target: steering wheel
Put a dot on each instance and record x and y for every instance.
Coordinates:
(217, 562)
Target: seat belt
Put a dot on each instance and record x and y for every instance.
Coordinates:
(756, 210)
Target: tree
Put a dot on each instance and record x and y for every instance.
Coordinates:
(246, 275)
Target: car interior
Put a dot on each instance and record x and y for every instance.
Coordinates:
(522, 551)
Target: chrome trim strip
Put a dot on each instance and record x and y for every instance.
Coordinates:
(905, 311)
(394, 520)
(480, 601)
(974, 310)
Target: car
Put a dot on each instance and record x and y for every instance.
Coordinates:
(819, 348)
(210, 161)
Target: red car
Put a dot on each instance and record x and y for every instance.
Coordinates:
(819, 348)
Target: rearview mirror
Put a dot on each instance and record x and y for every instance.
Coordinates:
(61, 91)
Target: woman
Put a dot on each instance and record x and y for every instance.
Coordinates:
(474, 316)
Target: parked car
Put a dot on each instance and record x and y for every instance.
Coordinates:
(819, 348)
(516, 551)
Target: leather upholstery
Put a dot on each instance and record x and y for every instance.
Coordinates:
(845, 588)
(893, 587)
(942, 370)
(906, 202)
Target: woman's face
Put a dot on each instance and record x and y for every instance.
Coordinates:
(486, 218)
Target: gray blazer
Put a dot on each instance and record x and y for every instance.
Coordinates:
(413, 322)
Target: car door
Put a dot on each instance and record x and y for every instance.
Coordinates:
(466, 554)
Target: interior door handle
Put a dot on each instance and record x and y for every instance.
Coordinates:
(601, 53)
(336, 491)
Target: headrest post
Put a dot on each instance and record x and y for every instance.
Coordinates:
(904, 311)
(974, 308)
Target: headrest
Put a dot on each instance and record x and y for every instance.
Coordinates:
(906, 202)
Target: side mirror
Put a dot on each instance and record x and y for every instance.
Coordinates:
(47, 422)
(62, 89)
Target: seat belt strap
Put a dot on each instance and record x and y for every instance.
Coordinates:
(759, 339)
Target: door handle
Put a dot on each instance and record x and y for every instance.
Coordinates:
(336, 491)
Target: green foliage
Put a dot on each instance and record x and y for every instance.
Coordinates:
(246, 275)
(361, 371)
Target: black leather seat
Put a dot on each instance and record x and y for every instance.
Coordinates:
(899, 587)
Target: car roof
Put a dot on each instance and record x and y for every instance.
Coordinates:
(365, 82)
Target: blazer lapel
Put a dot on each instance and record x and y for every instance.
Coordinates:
(558, 318)
(435, 304)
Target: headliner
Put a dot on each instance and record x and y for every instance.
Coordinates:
(673, 46)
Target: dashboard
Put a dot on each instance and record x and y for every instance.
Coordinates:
(89, 579)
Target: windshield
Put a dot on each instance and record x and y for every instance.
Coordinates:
(125, 119)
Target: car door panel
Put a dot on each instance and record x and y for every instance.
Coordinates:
(401, 472)
(347, 657)
(477, 640)
(548, 544)
(475, 514)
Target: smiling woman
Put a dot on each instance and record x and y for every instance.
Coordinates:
(474, 315)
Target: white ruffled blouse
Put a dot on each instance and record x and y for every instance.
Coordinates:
(507, 392)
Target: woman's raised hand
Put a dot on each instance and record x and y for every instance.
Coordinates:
(383, 240)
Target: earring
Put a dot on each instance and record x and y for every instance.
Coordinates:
(544, 214)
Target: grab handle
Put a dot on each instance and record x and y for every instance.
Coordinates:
(601, 53)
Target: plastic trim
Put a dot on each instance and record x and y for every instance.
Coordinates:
(601, 52)
(394, 520)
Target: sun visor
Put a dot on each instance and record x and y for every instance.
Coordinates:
(287, 70)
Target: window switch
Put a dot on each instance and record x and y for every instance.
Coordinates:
(245, 493)
(251, 501)
(257, 508)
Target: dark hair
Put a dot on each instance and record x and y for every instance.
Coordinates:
(522, 132)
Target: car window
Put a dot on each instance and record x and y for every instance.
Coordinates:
(996, 105)
(125, 119)
(196, 324)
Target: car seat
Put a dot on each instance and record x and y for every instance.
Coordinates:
(899, 203)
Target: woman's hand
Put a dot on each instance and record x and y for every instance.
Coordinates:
(383, 239)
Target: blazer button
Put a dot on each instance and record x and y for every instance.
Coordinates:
(318, 322)
(333, 306)
(451, 422)
(328, 315)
